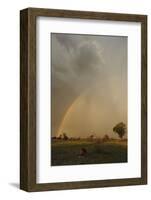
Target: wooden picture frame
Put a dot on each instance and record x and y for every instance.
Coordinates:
(28, 99)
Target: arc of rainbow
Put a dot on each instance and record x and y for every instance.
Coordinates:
(68, 111)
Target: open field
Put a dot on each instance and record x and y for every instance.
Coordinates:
(69, 152)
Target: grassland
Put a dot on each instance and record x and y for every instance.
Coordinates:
(68, 152)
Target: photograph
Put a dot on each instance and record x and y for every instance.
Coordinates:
(88, 99)
(83, 99)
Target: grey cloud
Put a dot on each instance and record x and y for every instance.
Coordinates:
(76, 59)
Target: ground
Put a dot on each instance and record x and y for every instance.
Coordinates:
(69, 152)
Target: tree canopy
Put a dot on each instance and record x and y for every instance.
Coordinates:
(120, 129)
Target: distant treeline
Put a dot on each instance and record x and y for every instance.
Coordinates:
(105, 138)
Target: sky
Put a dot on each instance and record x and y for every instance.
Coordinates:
(88, 84)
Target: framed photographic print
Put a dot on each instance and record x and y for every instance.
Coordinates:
(83, 99)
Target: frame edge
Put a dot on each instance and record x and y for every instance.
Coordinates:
(27, 101)
(24, 99)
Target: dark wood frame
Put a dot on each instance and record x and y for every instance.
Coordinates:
(28, 98)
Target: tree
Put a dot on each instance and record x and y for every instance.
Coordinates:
(65, 137)
(120, 129)
(105, 138)
(60, 137)
(91, 137)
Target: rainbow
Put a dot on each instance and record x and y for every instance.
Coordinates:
(60, 130)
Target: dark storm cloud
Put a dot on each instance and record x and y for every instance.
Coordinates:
(77, 60)
(67, 41)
